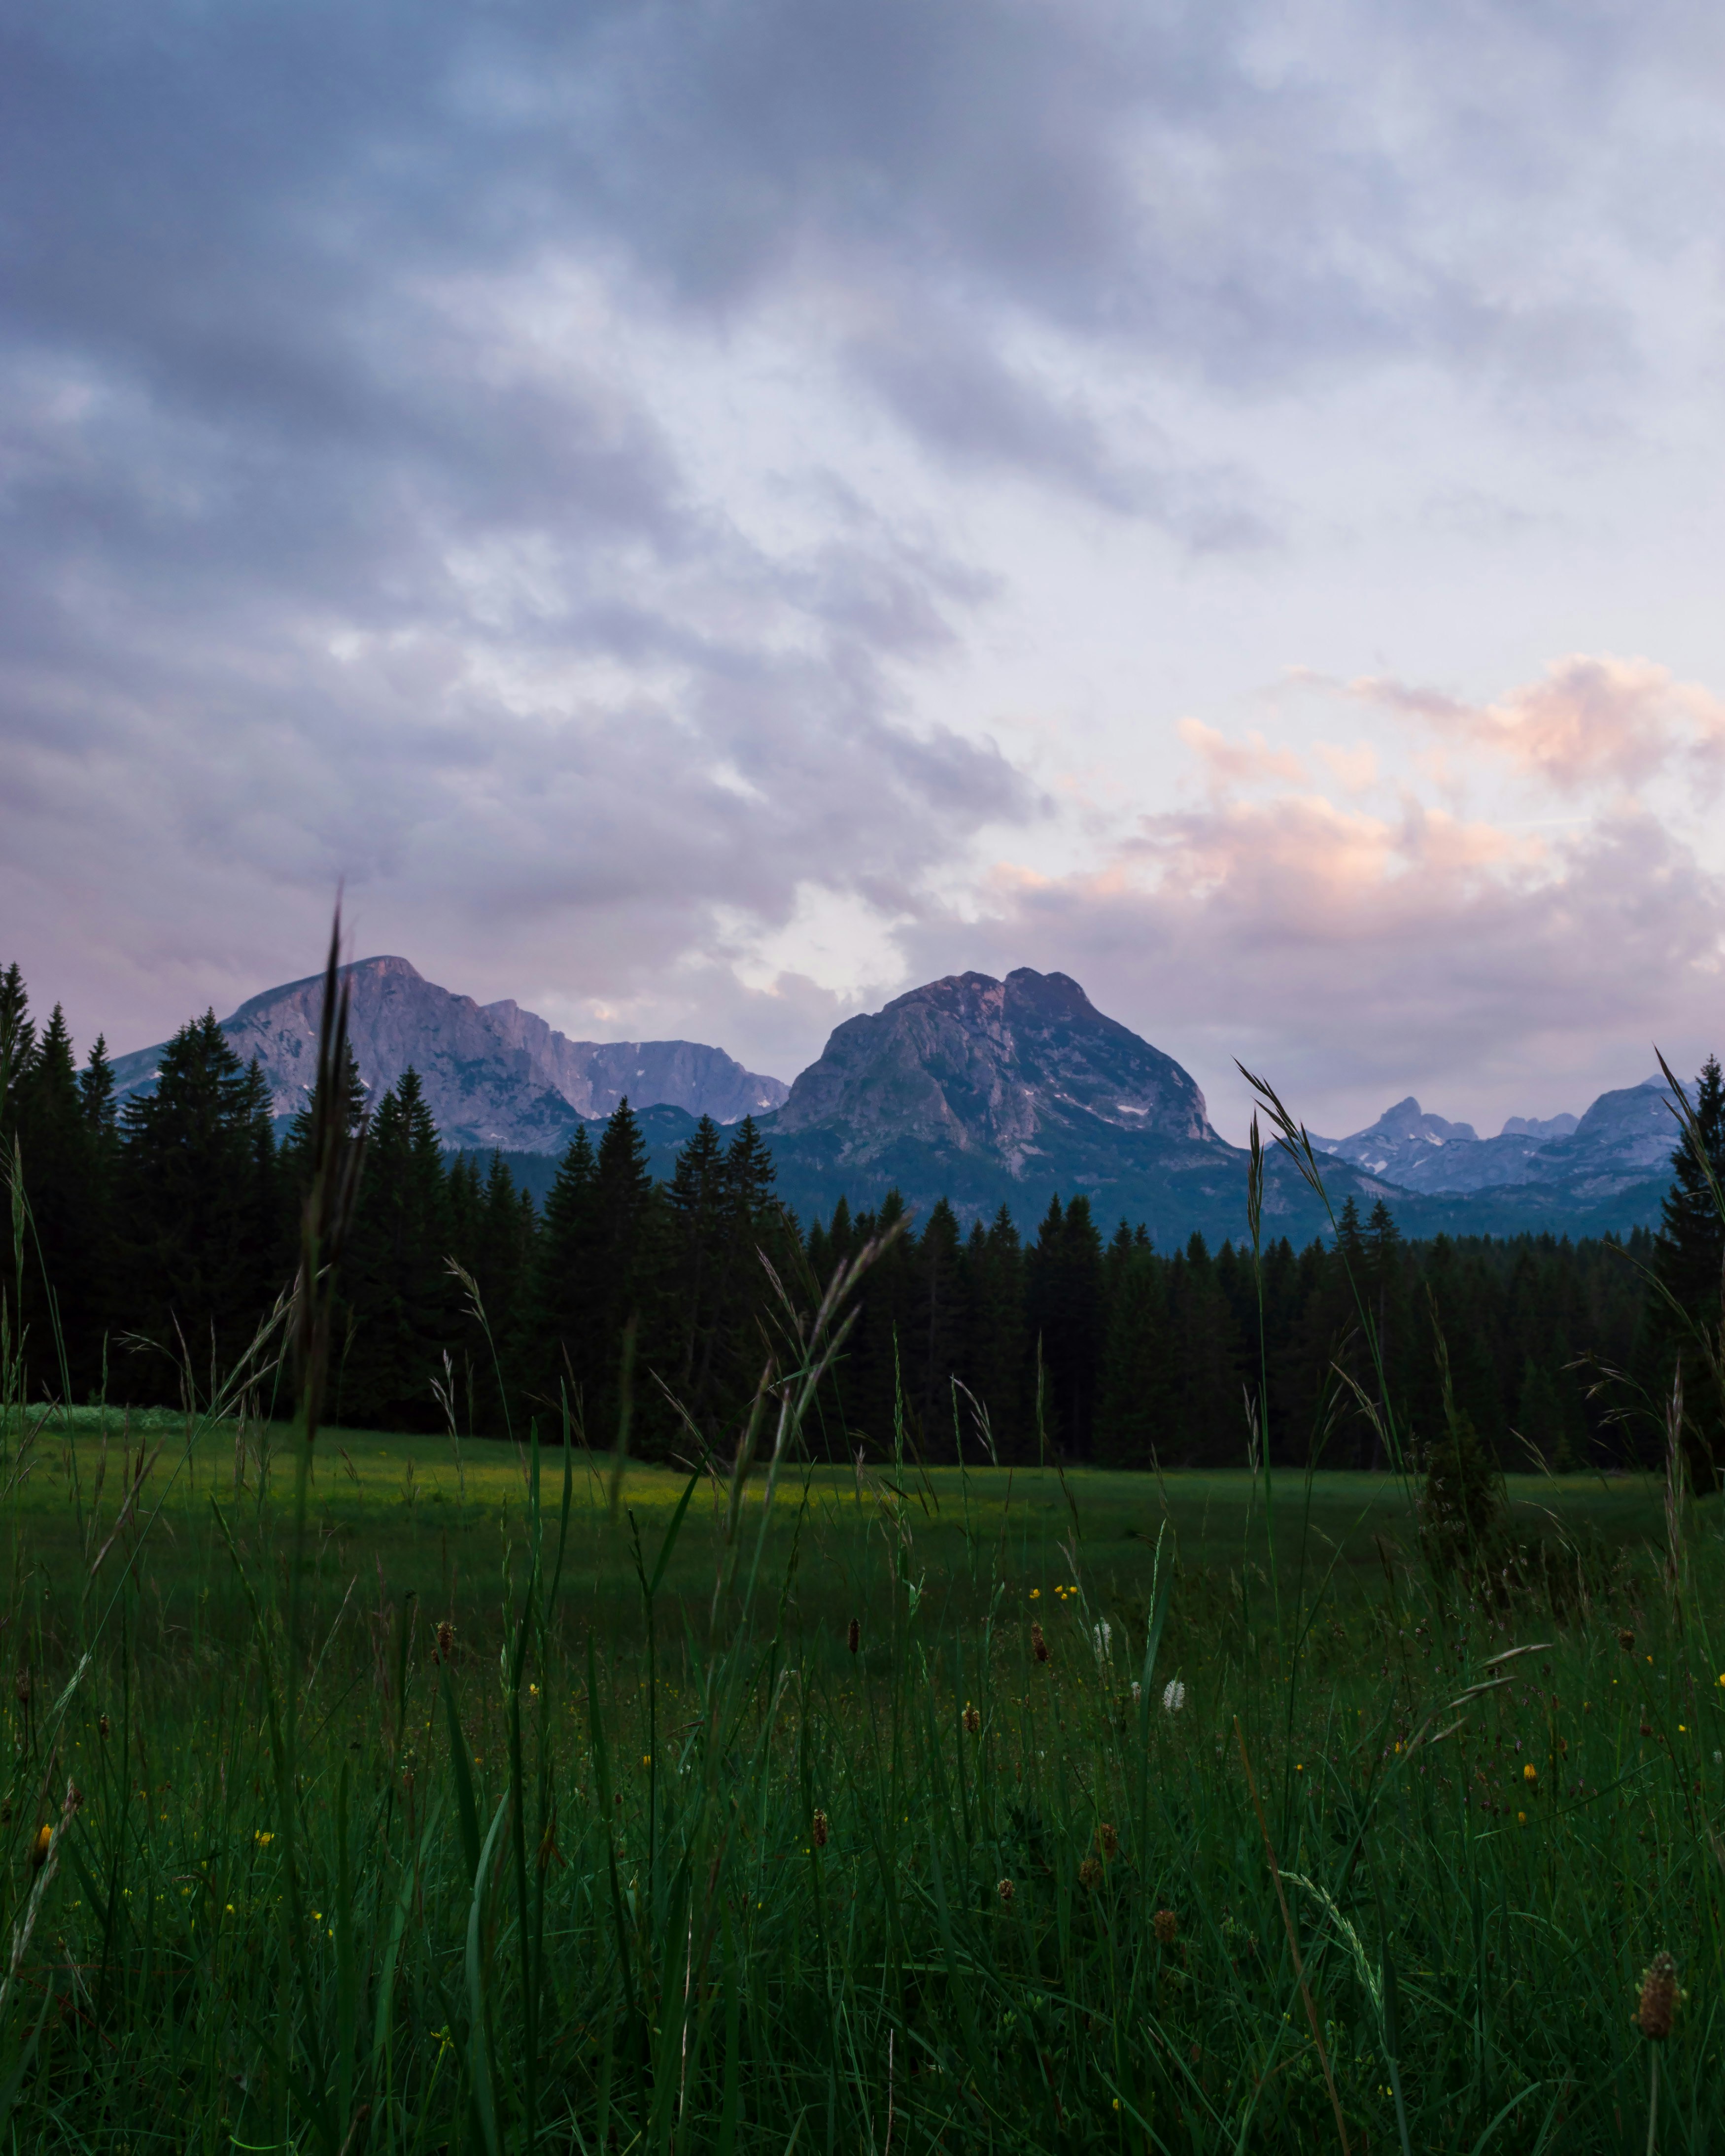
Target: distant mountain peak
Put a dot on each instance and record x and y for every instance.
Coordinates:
(1624, 1139)
(494, 1074)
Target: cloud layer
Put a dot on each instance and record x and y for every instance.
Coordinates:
(700, 514)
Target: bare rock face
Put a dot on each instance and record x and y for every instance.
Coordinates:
(494, 1074)
(1011, 1071)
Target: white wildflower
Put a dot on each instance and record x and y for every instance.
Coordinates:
(1174, 1696)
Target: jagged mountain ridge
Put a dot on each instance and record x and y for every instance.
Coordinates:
(1625, 1140)
(494, 1074)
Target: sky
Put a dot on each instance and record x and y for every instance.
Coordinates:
(701, 517)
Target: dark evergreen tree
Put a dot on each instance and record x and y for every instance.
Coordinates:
(17, 1042)
(1209, 1406)
(934, 1352)
(1063, 1288)
(695, 1197)
(60, 1168)
(555, 1347)
(995, 1359)
(1687, 1331)
(399, 1298)
(875, 1376)
(197, 1276)
(1134, 1422)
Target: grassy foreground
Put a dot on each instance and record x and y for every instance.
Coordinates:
(568, 1812)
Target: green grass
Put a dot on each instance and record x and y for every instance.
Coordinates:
(563, 1887)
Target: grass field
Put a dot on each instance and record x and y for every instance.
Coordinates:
(643, 1855)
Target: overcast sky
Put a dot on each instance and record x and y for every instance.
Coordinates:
(707, 516)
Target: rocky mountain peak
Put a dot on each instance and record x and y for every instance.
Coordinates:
(494, 1074)
(977, 1065)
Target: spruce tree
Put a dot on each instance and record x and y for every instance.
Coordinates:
(1138, 1360)
(628, 1219)
(695, 1199)
(60, 1169)
(400, 1297)
(1063, 1292)
(1688, 1330)
(553, 1356)
(17, 1041)
(934, 1345)
(187, 1212)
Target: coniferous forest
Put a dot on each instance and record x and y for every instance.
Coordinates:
(155, 1238)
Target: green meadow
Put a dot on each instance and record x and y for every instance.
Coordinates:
(512, 1800)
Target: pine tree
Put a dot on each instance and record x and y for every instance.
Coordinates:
(1209, 1362)
(552, 1358)
(695, 1197)
(1134, 1412)
(399, 1298)
(933, 1348)
(1062, 1292)
(995, 1356)
(186, 1192)
(749, 1223)
(629, 1220)
(1690, 1267)
(872, 1375)
(17, 1042)
(58, 1164)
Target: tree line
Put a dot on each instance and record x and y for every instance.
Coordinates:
(156, 1236)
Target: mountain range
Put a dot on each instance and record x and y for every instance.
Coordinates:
(1624, 1138)
(984, 1091)
(494, 1074)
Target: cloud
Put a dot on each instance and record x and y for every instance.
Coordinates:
(1591, 721)
(552, 466)
(1357, 955)
(1227, 765)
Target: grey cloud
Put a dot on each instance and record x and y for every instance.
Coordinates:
(311, 565)
(1483, 982)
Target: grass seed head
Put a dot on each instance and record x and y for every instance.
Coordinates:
(817, 1830)
(445, 1640)
(1090, 1873)
(1659, 1998)
(972, 1719)
(1107, 1840)
(1626, 1640)
(102, 1724)
(1168, 1928)
(1038, 1645)
(1006, 1890)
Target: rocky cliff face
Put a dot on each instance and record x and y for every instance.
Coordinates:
(1008, 1093)
(494, 1074)
(1006, 1069)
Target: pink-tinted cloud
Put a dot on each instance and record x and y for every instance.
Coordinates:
(1229, 765)
(1591, 721)
(1358, 956)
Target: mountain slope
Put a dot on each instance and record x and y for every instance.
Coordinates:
(1006, 1092)
(494, 1073)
